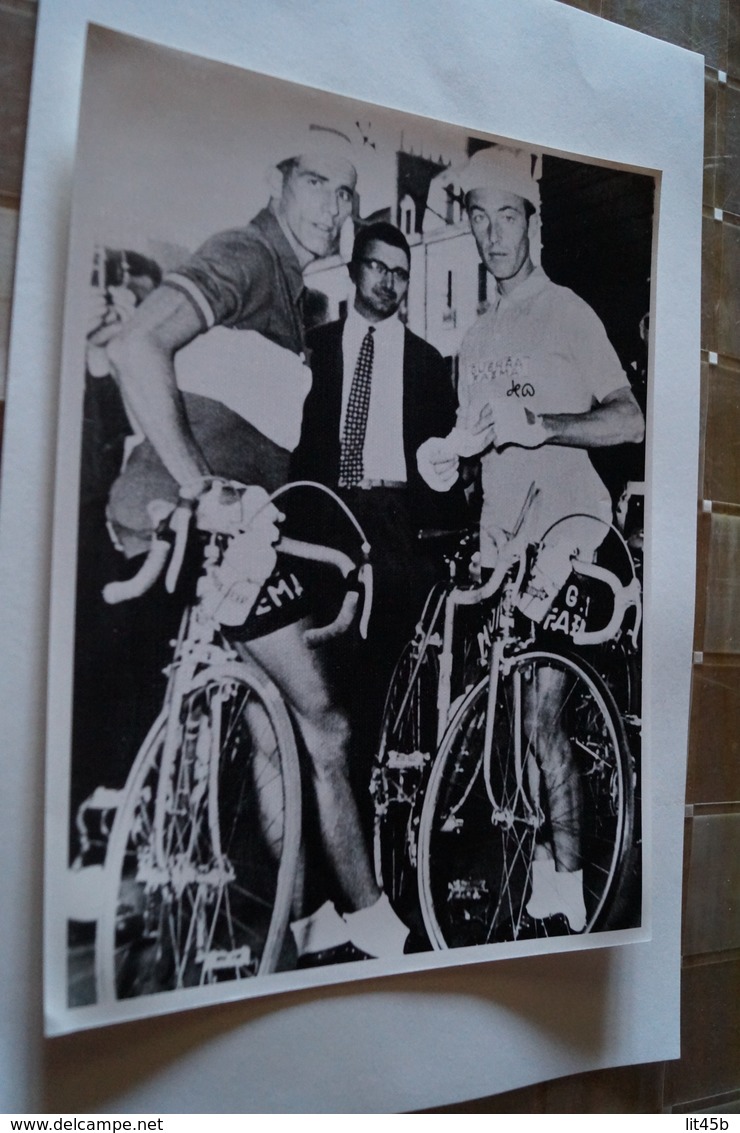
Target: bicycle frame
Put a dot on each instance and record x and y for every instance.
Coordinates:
(170, 850)
(195, 649)
(507, 581)
(459, 800)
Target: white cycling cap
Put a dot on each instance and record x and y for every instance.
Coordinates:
(505, 168)
(325, 141)
(374, 165)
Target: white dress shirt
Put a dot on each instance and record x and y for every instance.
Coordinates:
(382, 456)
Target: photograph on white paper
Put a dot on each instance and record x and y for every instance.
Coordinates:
(352, 477)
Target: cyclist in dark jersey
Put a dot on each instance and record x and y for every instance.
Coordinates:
(250, 280)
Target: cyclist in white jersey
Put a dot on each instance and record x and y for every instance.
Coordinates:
(540, 384)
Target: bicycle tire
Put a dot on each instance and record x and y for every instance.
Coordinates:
(408, 741)
(475, 858)
(199, 871)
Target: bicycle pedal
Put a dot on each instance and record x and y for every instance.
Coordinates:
(94, 820)
(467, 889)
(407, 760)
(228, 960)
(346, 953)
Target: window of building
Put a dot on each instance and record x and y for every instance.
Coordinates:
(482, 283)
(407, 211)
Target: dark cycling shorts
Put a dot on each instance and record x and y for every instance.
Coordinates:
(284, 599)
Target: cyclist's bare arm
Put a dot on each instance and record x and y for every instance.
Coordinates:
(615, 420)
(142, 359)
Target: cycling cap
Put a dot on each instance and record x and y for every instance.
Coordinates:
(507, 169)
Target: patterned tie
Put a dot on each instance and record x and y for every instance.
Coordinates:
(355, 422)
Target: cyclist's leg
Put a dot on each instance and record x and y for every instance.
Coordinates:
(543, 708)
(557, 880)
(300, 675)
(266, 760)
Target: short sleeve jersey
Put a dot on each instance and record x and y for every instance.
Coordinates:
(245, 381)
(249, 279)
(246, 286)
(546, 347)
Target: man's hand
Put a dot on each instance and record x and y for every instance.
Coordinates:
(438, 463)
(249, 559)
(229, 510)
(476, 439)
(513, 424)
(107, 313)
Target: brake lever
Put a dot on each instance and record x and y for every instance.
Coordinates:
(180, 526)
(365, 578)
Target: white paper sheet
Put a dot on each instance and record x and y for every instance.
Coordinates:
(586, 87)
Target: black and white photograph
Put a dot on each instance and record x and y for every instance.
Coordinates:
(355, 406)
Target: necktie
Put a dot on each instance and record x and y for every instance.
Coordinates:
(355, 421)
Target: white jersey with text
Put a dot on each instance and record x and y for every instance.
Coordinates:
(546, 347)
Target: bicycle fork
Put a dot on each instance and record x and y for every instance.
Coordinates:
(187, 778)
(519, 749)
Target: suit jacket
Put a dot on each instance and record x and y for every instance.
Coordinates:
(429, 409)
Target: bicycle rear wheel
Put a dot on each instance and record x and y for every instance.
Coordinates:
(408, 742)
(203, 853)
(481, 827)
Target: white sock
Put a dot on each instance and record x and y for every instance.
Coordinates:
(85, 893)
(570, 889)
(323, 929)
(554, 892)
(543, 898)
(377, 930)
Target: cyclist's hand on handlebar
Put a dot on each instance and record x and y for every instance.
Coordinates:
(225, 509)
(251, 553)
(549, 573)
(437, 463)
(248, 516)
(514, 424)
(250, 556)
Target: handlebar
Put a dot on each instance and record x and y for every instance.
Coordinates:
(145, 577)
(512, 554)
(316, 553)
(472, 596)
(624, 597)
(164, 550)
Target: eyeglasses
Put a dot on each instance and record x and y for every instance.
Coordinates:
(400, 275)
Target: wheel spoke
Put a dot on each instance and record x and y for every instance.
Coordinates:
(478, 839)
(406, 751)
(212, 903)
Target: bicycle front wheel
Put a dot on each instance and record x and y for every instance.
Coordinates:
(408, 743)
(485, 820)
(202, 857)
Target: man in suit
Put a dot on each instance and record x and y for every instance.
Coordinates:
(362, 424)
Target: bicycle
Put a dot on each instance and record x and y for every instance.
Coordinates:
(459, 810)
(203, 851)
